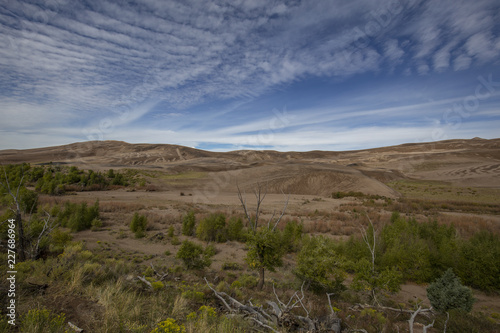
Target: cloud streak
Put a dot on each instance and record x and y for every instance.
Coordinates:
(80, 64)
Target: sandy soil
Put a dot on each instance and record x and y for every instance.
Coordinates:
(308, 177)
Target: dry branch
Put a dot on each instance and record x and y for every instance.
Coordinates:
(278, 314)
(75, 328)
(161, 276)
(145, 282)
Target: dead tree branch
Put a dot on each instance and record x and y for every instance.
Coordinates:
(48, 226)
(161, 276)
(278, 315)
(283, 211)
(75, 328)
(428, 326)
(146, 282)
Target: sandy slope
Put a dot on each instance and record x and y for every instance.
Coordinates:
(473, 162)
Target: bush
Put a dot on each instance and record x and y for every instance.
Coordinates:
(188, 224)
(78, 217)
(42, 321)
(479, 261)
(138, 225)
(169, 326)
(59, 240)
(171, 231)
(320, 266)
(193, 256)
(447, 293)
(96, 224)
(29, 201)
(157, 285)
(235, 229)
(248, 281)
(212, 228)
(292, 234)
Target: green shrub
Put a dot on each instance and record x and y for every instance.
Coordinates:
(138, 225)
(320, 266)
(193, 256)
(461, 321)
(78, 217)
(248, 281)
(210, 250)
(188, 224)
(169, 326)
(291, 236)
(171, 231)
(406, 250)
(479, 261)
(212, 228)
(42, 321)
(28, 201)
(96, 224)
(193, 295)
(157, 285)
(235, 229)
(59, 240)
(447, 293)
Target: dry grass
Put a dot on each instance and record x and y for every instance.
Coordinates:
(468, 225)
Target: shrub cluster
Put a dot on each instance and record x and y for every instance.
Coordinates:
(194, 256)
(214, 228)
(79, 217)
(57, 179)
(422, 252)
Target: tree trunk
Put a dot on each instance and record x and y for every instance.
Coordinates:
(22, 246)
(261, 281)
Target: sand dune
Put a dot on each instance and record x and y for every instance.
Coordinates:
(462, 162)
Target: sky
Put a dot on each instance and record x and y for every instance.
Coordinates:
(256, 74)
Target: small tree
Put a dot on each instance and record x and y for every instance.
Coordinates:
(319, 266)
(193, 256)
(264, 252)
(367, 276)
(447, 293)
(138, 225)
(188, 224)
(264, 243)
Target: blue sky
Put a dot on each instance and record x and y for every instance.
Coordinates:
(227, 75)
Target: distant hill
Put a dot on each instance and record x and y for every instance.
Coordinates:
(474, 162)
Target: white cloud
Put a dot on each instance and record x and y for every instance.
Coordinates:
(483, 46)
(462, 62)
(69, 61)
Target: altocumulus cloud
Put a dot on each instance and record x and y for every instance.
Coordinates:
(211, 72)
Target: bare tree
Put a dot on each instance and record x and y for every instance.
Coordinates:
(280, 314)
(371, 245)
(260, 193)
(264, 248)
(413, 314)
